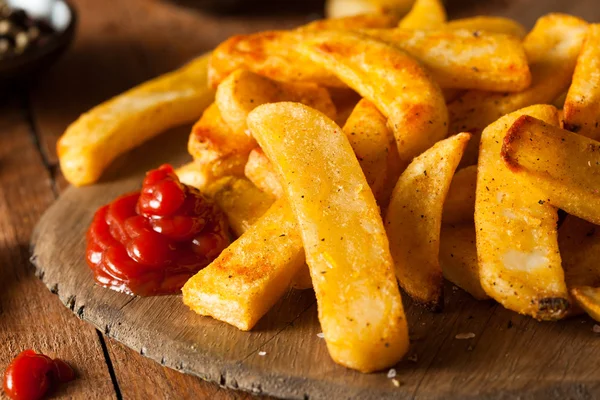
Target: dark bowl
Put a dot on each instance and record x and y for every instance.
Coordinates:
(23, 67)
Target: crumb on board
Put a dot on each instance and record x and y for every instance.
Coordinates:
(391, 373)
(320, 335)
(262, 353)
(469, 335)
(596, 328)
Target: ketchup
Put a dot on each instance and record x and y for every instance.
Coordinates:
(30, 375)
(151, 242)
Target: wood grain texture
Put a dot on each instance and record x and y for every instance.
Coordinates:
(510, 355)
(30, 317)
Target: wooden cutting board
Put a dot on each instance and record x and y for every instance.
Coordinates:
(509, 356)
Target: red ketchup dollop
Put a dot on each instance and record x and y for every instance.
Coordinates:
(30, 376)
(151, 242)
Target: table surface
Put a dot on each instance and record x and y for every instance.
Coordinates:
(118, 45)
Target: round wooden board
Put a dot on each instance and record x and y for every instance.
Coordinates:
(510, 355)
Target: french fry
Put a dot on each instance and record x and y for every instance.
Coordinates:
(272, 54)
(414, 219)
(424, 14)
(552, 48)
(392, 80)
(374, 146)
(213, 143)
(517, 245)
(353, 22)
(582, 106)
(194, 175)
(346, 8)
(579, 243)
(458, 258)
(456, 59)
(241, 201)
(563, 166)
(482, 23)
(260, 172)
(588, 298)
(250, 275)
(346, 247)
(459, 206)
(244, 90)
(126, 121)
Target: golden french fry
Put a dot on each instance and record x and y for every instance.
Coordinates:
(241, 201)
(272, 54)
(458, 258)
(424, 14)
(244, 90)
(563, 166)
(194, 175)
(489, 24)
(250, 275)
(517, 245)
(457, 59)
(346, 248)
(392, 80)
(374, 146)
(582, 105)
(414, 219)
(552, 48)
(579, 243)
(588, 298)
(354, 22)
(260, 172)
(459, 206)
(118, 125)
(346, 8)
(213, 142)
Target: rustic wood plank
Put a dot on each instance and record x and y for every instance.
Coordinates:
(531, 359)
(30, 316)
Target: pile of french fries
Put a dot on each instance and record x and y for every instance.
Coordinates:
(361, 151)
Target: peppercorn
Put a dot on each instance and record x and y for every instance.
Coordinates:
(19, 32)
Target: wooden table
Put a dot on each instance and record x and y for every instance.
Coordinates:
(119, 44)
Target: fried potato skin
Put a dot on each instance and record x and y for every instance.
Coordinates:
(272, 54)
(250, 275)
(463, 62)
(489, 24)
(517, 244)
(351, 269)
(260, 172)
(392, 80)
(244, 90)
(375, 148)
(588, 298)
(212, 141)
(563, 166)
(582, 105)
(347, 8)
(458, 258)
(552, 48)
(414, 219)
(459, 206)
(126, 121)
(424, 14)
(458, 59)
(242, 202)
